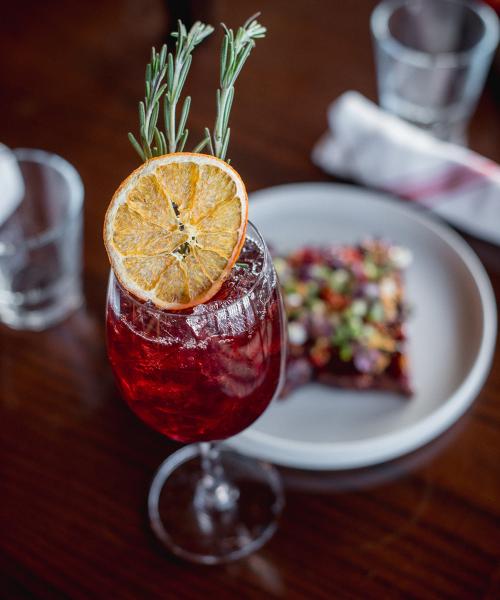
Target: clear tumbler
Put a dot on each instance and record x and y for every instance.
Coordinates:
(40, 242)
(432, 59)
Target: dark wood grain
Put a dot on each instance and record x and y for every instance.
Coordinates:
(75, 463)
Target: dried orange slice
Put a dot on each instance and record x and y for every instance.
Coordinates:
(175, 228)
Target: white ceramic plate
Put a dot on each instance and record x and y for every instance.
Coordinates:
(452, 333)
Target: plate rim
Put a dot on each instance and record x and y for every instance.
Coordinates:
(381, 448)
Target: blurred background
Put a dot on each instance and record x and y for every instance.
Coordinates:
(75, 463)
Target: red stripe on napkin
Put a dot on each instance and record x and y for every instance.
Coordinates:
(447, 181)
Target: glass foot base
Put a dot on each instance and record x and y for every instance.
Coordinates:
(212, 521)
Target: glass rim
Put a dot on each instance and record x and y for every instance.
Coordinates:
(150, 307)
(75, 198)
(379, 24)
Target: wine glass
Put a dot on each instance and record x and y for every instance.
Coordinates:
(202, 375)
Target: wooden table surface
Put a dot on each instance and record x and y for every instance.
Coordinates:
(75, 463)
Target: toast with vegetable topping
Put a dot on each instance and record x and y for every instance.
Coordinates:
(346, 316)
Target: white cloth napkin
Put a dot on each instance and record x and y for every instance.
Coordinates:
(11, 184)
(380, 150)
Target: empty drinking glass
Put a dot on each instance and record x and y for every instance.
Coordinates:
(40, 239)
(432, 59)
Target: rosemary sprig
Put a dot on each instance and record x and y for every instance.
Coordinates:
(235, 50)
(155, 142)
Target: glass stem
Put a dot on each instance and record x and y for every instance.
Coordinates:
(214, 492)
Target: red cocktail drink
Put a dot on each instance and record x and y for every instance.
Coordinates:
(198, 375)
(195, 338)
(205, 373)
